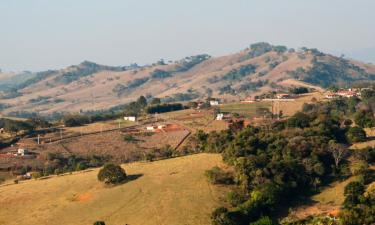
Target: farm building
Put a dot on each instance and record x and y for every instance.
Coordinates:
(220, 116)
(130, 118)
(214, 102)
(347, 93)
(22, 152)
(331, 95)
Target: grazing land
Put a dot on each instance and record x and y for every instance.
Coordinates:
(246, 109)
(173, 191)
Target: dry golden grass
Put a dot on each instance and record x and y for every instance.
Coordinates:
(173, 191)
(370, 132)
(334, 194)
(291, 107)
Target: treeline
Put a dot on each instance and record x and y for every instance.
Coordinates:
(162, 108)
(278, 163)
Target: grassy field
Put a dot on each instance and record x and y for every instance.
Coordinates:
(370, 132)
(245, 109)
(334, 194)
(173, 191)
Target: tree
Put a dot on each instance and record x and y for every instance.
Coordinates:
(364, 118)
(99, 223)
(356, 134)
(142, 101)
(111, 174)
(353, 191)
(338, 151)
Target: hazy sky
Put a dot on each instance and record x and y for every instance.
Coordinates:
(49, 34)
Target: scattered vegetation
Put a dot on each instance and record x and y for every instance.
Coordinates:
(243, 71)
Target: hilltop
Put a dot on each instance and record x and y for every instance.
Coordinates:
(258, 69)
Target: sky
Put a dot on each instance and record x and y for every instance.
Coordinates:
(51, 34)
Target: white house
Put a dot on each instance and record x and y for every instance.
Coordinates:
(220, 116)
(130, 118)
(151, 128)
(214, 102)
(22, 152)
(161, 126)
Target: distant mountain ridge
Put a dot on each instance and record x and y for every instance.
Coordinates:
(258, 69)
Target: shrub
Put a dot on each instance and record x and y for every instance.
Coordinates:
(99, 223)
(218, 176)
(111, 174)
(356, 134)
(234, 198)
(263, 221)
(220, 216)
(36, 175)
(129, 138)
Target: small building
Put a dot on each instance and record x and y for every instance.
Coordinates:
(214, 103)
(283, 96)
(22, 152)
(162, 126)
(151, 128)
(219, 116)
(130, 118)
(331, 95)
(2, 130)
(347, 93)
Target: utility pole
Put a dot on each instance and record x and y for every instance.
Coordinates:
(60, 133)
(38, 139)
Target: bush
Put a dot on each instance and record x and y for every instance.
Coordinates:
(112, 174)
(263, 221)
(356, 134)
(218, 176)
(235, 199)
(220, 216)
(129, 138)
(36, 175)
(99, 223)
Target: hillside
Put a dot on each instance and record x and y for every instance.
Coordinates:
(260, 68)
(173, 191)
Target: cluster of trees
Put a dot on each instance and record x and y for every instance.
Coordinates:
(182, 97)
(299, 90)
(243, 71)
(252, 86)
(16, 126)
(326, 72)
(279, 162)
(120, 89)
(56, 163)
(165, 107)
(189, 62)
(86, 68)
(258, 49)
(160, 74)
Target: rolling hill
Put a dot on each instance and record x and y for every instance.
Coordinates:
(260, 68)
(173, 191)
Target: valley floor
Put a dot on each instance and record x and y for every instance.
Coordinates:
(173, 191)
